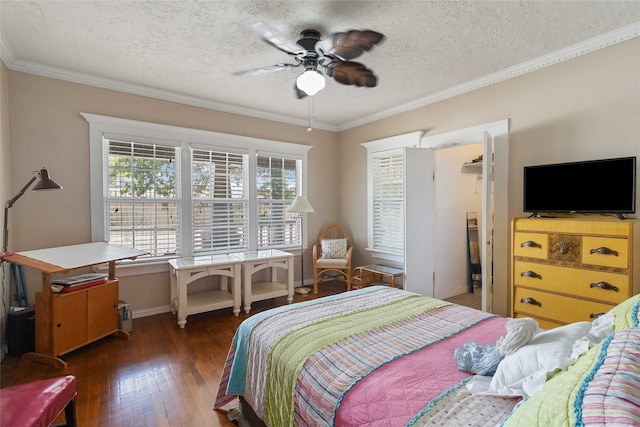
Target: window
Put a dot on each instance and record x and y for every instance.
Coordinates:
(174, 191)
(220, 200)
(387, 174)
(142, 199)
(277, 186)
(385, 184)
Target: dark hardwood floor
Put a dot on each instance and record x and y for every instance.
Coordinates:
(161, 376)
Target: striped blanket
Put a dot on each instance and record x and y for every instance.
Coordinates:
(296, 364)
(384, 357)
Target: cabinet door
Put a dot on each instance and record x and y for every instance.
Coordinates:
(69, 314)
(102, 310)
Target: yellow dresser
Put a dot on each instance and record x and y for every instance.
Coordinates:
(568, 270)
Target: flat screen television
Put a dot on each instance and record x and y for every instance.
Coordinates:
(595, 186)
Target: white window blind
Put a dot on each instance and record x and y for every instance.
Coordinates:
(179, 192)
(220, 198)
(276, 187)
(142, 206)
(388, 202)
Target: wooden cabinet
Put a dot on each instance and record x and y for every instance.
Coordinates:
(83, 316)
(568, 270)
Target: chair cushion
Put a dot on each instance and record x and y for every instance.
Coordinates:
(331, 262)
(37, 403)
(334, 248)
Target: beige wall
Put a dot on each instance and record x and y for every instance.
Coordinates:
(5, 194)
(47, 130)
(584, 108)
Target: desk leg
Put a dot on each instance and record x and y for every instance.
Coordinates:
(289, 281)
(236, 291)
(56, 362)
(182, 299)
(173, 288)
(44, 329)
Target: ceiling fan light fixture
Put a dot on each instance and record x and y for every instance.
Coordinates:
(310, 82)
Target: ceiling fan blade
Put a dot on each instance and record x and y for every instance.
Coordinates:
(277, 39)
(265, 70)
(348, 45)
(352, 73)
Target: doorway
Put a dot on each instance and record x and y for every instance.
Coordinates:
(420, 253)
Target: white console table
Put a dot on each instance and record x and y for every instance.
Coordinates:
(255, 261)
(183, 271)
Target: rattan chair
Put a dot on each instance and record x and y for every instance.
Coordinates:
(332, 256)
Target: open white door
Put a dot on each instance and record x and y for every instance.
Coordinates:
(419, 220)
(487, 223)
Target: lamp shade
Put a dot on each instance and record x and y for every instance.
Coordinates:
(300, 205)
(45, 182)
(310, 82)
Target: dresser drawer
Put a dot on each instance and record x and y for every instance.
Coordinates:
(598, 285)
(542, 323)
(556, 307)
(532, 245)
(605, 251)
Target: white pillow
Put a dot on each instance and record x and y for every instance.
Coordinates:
(525, 371)
(334, 248)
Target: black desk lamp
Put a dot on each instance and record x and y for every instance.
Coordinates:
(45, 183)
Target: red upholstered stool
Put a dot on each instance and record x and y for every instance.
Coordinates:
(39, 403)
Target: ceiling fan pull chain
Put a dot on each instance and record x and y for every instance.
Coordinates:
(312, 113)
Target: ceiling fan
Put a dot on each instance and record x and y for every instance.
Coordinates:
(333, 53)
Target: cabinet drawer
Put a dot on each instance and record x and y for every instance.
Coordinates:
(533, 245)
(556, 307)
(542, 323)
(582, 283)
(605, 251)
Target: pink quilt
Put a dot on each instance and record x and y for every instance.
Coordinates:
(394, 393)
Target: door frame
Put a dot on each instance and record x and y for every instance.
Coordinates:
(498, 170)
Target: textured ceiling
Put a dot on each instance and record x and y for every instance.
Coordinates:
(190, 49)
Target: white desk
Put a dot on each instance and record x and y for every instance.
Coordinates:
(183, 271)
(255, 261)
(67, 322)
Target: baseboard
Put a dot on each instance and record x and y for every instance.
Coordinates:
(150, 311)
(452, 292)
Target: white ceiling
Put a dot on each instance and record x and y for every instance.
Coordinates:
(186, 51)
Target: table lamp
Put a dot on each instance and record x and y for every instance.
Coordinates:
(300, 206)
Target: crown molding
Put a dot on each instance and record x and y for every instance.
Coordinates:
(605, 40)
(90, 80)
(590, 45)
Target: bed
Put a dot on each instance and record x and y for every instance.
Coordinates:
(380, 356)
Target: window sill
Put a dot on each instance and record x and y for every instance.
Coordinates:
(133, 268)
(386, 255)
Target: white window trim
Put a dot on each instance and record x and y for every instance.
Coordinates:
(186, 138)
(376, 147)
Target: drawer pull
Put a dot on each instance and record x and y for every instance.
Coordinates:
(530, 244)
(531, 301)
(564, 247)
(531, 274)
(604, 285)
(604, 251)
(595, 315)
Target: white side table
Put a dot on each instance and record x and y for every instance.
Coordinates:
(255, 261)
(183, 271)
